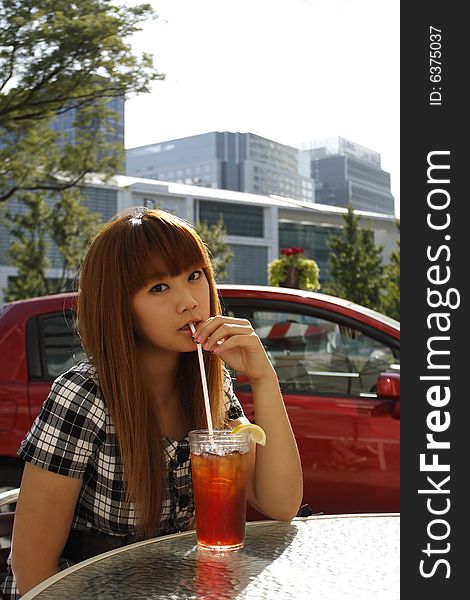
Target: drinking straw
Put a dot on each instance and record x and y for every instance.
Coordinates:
(204, 383)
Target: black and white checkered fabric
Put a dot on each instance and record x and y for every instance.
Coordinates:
(74, 436)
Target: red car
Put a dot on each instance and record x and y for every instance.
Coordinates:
(337, 362)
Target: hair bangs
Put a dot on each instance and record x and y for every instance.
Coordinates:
(160, 244)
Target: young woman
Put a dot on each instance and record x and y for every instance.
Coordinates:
(107, 459)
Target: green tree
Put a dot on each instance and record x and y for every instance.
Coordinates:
(391, 292)
(220, 252)
(355, 264)
(57, 57)
(60, 59)
(28, 226)
(34, 225)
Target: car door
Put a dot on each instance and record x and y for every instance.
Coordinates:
(328, 366)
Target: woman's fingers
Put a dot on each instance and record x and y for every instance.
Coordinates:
(225, 332)
(245, 354)
(214, 322)
(237, 344)
(217, 329)
(237, 341)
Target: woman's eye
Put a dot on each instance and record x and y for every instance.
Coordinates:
(160, 287)
(195, 275)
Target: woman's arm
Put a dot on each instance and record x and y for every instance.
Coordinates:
(278, 482)
(277, 485)
(43, 517)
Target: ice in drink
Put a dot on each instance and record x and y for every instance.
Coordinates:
(220, 475)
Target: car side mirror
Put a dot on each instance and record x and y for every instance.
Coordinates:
(388, 388)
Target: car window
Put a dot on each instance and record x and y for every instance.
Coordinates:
(60, 343)
(317, 355)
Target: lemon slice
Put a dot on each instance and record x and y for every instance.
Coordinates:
(257, 433)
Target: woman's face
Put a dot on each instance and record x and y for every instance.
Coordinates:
(166, 305)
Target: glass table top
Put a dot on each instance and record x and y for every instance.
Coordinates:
(321, 557)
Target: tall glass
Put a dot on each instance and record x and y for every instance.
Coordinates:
(220, 464)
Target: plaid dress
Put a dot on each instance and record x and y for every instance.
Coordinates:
(74, 436)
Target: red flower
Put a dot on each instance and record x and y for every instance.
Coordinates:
(293, 250)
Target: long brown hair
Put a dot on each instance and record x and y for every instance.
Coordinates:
(117, 264)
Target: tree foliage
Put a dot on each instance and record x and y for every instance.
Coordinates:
(34, 225)
(390, 303)
(220, 252)
(355, 264)
(67, 60)
(59, 57)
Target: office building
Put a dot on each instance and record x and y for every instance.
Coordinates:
(241, 162)
(347, 174)
(258, 227)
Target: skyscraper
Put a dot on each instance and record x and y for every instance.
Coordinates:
(241, 162)
(347, 174)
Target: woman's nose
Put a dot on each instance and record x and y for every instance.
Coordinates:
(186, 302)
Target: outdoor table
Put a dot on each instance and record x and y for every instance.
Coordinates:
(327, 557)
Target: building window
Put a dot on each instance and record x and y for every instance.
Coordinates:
(314, 240)
(249, 265)
(238, 219)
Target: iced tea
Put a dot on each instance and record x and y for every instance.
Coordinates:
(220, 476)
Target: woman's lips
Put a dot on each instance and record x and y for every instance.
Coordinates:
(187, 329)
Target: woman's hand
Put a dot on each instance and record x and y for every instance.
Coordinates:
(237, 344)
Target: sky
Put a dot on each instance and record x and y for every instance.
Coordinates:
(293, 71)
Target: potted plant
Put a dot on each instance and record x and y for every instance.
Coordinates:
(293, 269)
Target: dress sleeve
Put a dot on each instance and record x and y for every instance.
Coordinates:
(69, 428)
(233, 408)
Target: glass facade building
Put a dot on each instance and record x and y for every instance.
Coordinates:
(257, 227)
(241, 162)
(347, 174)
(248, 266)
(247, 221)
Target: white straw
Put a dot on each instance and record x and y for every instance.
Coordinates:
(204, 383)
